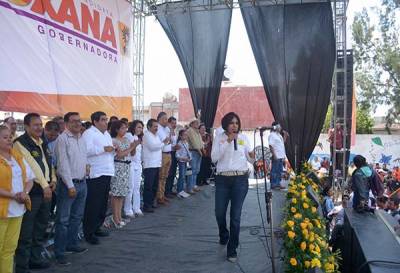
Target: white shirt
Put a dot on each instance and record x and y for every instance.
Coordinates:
(16, 209)
(137, 158)
(225, 156)
(152, 147)
(316, 165)
(101, 162)
(163, 133)
(276, 141)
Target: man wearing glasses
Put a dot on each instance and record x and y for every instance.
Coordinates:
(72, 168)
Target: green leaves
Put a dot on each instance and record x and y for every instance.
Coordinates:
(377, 55)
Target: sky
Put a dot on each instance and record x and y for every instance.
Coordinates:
(163, 72)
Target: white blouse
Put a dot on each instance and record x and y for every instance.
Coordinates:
(137, 158)
(16, 209)
(227, 159)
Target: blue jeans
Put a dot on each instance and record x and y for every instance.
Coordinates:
(69, 216)
(233, 189)
(182, 178)
(196, 163)
(276, 172)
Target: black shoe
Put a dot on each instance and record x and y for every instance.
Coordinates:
(223, 242)
(154, 206)
(76, 249)
(62, 261)
(102, 233)
(170, 196)
(93, 240)
(42, 265)
(148, 210)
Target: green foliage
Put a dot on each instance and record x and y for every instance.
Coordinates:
(328, 119)
(364, 121)
(377, 57)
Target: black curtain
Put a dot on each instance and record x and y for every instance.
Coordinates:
(294, 48)
(200, 39)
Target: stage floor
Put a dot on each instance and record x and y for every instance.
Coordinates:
(183, 238)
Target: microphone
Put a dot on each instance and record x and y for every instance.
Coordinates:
(235, 144)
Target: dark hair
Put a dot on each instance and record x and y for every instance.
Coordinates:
(28, 118)
(96, 116)
(180, 134)
(125, 120)
(70, 114)
(7, 119)
(150, 123)
(57, 118)
(160, 115)
(52, 126)
(359, 161)
(115, 126)
(227, 119)
(113, 118)
(201, 125)
(326, 190)
(274, 123)
(132, 126)
(171, 119)
(382, 199)
(87, 124)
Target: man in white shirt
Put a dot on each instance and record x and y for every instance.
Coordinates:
(164, 134)
(174, 162)
(101, 160)
(277, 146)
(152, 157)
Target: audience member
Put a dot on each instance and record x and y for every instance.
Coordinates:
(60, 122)
(15, 183)
(174, 163)
(195, 146)
(100, 152)
(72, 168)
(11, 123)
(164, 134)
(184, 158)
(205, 168)
(152, 157)
(132, 200)
(34, 223)
(120, 180)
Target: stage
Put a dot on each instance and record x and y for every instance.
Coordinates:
(183, 238)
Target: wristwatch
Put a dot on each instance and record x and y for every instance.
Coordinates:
(27, 192)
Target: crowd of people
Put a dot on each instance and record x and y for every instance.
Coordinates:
(72, 170)
(369, 187)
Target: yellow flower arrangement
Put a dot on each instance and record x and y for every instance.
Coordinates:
(306, 242)
(291, 234)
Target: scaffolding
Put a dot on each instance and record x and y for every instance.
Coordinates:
(139, 23)
(340, 91)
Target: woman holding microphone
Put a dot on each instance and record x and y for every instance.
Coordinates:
(231, 152)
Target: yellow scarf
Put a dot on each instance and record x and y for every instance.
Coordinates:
(6, 179)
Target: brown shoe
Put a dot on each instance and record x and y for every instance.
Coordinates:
(161, 202)
(166, 200)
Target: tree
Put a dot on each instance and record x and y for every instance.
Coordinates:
(364, 121)
(169, 98)
(377, 57)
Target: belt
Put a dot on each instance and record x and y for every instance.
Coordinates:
(233, 173)
(166, 153)
(122, 161)
(193, 150)
(78, 180)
